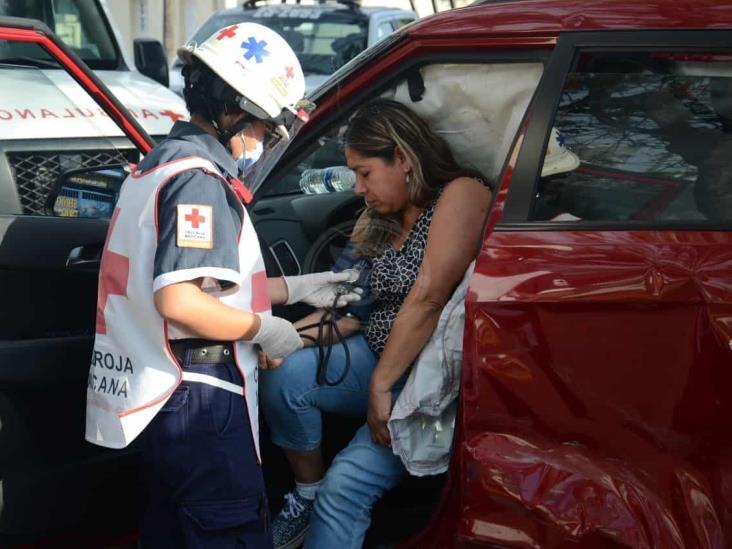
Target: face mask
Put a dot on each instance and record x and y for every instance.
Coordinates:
(253, 148)
(249, 157)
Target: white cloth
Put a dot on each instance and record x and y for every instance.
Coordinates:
(133, 371)
(423, 419)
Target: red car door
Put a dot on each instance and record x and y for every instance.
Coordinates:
(596, 403)
(55, 488)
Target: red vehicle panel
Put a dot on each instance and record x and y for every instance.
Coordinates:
(581, 407)
(522, 19)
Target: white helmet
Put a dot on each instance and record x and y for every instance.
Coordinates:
(558, 158)
(257, 63)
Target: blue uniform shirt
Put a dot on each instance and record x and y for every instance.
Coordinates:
(198, 188)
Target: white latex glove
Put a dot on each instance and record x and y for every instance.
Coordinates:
(321, 289)
(277, 337)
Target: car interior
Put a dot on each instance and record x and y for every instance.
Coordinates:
(306, 232)
(302, 232)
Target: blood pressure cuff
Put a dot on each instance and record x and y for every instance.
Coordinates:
(351, 259)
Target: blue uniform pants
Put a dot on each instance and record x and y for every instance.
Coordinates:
(204, 481)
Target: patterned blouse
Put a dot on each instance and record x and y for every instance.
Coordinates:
(393, 273)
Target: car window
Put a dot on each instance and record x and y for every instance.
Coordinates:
(78, 23)
(384, 29)
(323, 39)
(479, 128)
(51, 127)
(653, 135)
(399, 23)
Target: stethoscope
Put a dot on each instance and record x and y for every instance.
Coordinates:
(327, 328)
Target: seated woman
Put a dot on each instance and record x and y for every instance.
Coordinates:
(420, 230)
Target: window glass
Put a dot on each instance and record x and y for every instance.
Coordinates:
(323, 39)
(326, 152)
(50, 127)
(78, 23)
(641, 137)
(384, 29)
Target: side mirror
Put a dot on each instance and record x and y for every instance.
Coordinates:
(87, 192)
(150, 59)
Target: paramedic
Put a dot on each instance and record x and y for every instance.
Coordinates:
(183, 299)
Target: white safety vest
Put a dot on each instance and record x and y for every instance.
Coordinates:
(133, 371)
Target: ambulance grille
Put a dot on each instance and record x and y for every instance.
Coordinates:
(36, 172)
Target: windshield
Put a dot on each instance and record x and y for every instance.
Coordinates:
(323, 40)
(79, 23)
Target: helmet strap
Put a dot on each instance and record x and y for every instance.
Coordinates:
(226, 135)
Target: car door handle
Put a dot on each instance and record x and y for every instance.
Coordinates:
(85, 257)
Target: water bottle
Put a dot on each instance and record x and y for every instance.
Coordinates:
(327, 180)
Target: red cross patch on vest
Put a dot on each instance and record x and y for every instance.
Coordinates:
(195, 226)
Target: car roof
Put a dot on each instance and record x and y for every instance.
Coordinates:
(531, 17)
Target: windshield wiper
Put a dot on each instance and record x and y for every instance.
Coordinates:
(30, 62)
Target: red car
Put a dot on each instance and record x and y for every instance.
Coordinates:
(596, 398)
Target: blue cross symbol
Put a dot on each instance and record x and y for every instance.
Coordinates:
(255, 49)
(560, 138)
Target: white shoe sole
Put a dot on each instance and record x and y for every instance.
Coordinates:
(295, 542)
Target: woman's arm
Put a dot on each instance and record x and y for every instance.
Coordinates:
(452, 243)
(347, 326)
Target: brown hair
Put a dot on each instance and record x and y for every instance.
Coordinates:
(376, 130)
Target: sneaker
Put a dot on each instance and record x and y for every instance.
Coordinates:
(291, 525)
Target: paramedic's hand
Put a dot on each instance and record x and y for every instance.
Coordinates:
(277, 337)
(378, 415)
(321, 289)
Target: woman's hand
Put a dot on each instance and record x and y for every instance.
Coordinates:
(266, 363)
(379, 412)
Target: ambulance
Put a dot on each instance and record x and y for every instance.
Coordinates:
(58, 128)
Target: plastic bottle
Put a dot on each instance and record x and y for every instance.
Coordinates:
(327, 180)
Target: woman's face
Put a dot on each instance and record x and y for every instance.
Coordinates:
(382, 184)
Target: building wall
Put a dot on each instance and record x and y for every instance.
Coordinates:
(148, 18)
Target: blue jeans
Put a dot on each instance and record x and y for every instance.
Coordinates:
(292, 402)
(360, 474)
